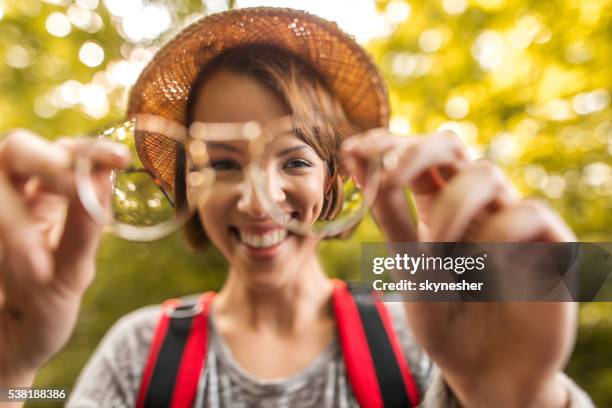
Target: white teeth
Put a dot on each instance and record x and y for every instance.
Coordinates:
(264, 240)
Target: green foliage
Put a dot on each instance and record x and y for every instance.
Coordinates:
(526, 84)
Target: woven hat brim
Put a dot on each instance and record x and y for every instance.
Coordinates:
(163, 87)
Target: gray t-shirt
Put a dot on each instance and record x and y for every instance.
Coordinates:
(112, 376)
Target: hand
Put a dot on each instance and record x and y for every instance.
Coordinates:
(47, 246)
(491, 354)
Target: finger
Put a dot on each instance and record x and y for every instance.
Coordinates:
(477, 189)
(391, 213)
(103, 153)
(443, 151)
(23, 154)
(358, 152)
(525, 221)
(353, 141)
(25, 251)
(370, 144)
(2, 257)
(102, 156)
(356, 168)
(48, 210)
(75, 254)
(76, 239)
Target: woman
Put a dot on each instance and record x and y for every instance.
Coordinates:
(262, 64)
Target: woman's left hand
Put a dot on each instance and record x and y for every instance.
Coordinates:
(491, 354)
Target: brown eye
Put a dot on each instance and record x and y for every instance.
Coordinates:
(225, 165)
(297, 163)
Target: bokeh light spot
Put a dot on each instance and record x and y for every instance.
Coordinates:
(88, 4)
(148, 24)
(93, 101)
(505, 148)
(596, 174)
(578, 53)
(454, 6)
(400, 125)
(430, 40)
(535, 176)
(554, 186)
(58, 24)
(457, 107)
(91, 54)
(586, 103)
(488, 50)
(397, 11)
(124, 8)
(80, 17)
(18, 57)
(44, 108)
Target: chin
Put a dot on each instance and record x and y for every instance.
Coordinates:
(266, 276)
(265, 255)
(269, 260)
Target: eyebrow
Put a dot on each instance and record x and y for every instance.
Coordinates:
(289, 150)
(217, 145)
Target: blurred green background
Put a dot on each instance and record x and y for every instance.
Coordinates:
(526, 84)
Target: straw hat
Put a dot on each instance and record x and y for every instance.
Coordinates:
(164, 86)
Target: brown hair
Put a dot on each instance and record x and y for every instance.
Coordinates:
(303, 91)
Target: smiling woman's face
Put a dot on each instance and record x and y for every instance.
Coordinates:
(256, 247)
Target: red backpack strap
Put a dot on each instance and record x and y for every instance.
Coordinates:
(177, 354)
(376, 367)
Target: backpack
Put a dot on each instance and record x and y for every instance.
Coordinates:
(375, 365)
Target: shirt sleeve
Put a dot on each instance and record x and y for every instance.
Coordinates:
(112, 376)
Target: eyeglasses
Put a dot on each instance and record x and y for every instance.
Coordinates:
(145, 204)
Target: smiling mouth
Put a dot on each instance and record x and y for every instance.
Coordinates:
(267, 240)
(260, 240)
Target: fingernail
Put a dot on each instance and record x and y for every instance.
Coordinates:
(116, 149)
(120, 150)
(119, 154)
(123, 160)
(390, 161)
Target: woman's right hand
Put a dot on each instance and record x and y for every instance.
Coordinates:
(47, 246)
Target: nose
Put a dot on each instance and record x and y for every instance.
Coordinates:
(276, 187)
(251, 204)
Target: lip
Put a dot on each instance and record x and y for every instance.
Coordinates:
(263, 253)
(260, 253)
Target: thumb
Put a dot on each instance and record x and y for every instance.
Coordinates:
(355, 169)
(76, 251)
(394, 214)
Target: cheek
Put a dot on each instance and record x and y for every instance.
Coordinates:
(307, 193)
(215, 216)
